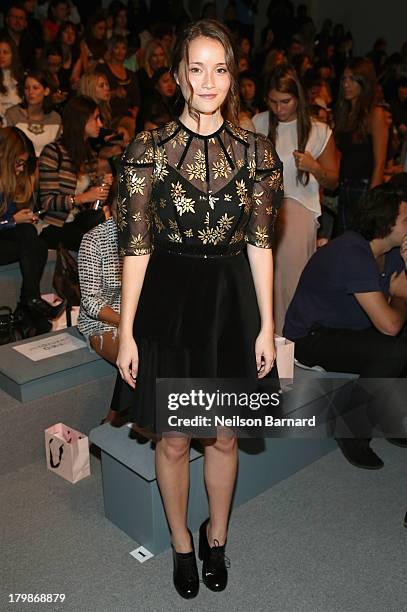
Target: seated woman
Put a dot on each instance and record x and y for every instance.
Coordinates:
(124, 85)
(19, 240)
(69, 175)
(10, 76)
(351, 302)
(34, 115)
(100, 277)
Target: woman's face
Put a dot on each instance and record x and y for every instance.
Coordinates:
(68, 36)
(166, 85)
(20, 163)
(35, 92)
(243, 64)
(93, 125)
(208, 75)
(244, 46)
(351, 88)
(6, 55)
(102, 90)
(99, 30)
(247, 90)
(119, 52)
(61, 12)
(283, 105)
(121, 19)
(157, 59)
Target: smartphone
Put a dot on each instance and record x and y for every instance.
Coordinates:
(41, 213)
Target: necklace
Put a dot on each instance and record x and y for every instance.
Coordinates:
(35, 127)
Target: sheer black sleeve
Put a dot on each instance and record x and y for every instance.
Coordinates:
(267, 171)
(134, 197)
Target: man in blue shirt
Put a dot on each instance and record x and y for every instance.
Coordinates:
(350, 307)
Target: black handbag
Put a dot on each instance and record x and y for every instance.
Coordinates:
(8, 331)
(66, 277)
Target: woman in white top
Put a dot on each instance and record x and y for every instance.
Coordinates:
(9, 76)
(34, 115)
(310, 160)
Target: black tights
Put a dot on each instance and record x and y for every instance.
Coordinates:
(23, 244)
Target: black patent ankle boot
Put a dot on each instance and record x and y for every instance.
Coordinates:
(186, 579)
(215, 564)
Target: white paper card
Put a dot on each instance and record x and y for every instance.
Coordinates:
(49, 347)
(141, 554)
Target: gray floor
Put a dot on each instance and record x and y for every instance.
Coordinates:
(330, 538)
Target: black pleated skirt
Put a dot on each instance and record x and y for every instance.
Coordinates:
(197, 318)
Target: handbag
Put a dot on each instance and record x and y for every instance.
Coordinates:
(8, 331)
(66, 277)
(67, 452)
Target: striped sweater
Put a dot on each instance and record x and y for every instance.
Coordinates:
(58, 178)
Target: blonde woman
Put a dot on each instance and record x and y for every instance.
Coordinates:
(155, 57)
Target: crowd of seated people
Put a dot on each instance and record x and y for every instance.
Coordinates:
(80, 82)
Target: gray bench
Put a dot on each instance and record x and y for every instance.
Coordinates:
(10, 281)
(26, 380)
(131, 496)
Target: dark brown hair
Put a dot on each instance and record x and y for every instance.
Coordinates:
(285, 80)
(15, 68)
(44, 79)
(209, 28)
(357, 119)
(75, 116)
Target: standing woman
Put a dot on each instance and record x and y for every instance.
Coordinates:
(307, 150)
(361, 133)
(34, 116)
(10, 76)
(191, 195)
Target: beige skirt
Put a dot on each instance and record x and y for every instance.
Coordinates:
(294, 243)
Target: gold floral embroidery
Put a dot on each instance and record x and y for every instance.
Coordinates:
(134, 183)
(197, 170)
(242, 192)
(212, 200)
(176, 234)
(180, 139)
(237, 131)
(121, 214)
(222, 168)
(262, 237)
(252, 168)
(238, 236)
(144, 136)
(181, 202)
(160, 164)
(269, 161)
(257, 195)
(270, 210)
(137, 242)
(148, 157)
(137, 216)
(189, 233)
(228, 197)
(239, 164)
(214, 235)
(275, 180)
(163, 203)
(170, 128)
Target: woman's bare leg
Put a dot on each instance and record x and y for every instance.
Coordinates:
(220, 468)
(106, 345)
(172, 470)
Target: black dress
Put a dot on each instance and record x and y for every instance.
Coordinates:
(193, 202)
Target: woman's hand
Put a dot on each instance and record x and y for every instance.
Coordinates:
(127, 361)
(265, 352)
(94, 193)
(25, 215)
(305, 161)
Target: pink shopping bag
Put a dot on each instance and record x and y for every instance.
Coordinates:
(67, 452)
(285, 357)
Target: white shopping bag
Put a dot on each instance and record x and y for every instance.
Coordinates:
(67, 452)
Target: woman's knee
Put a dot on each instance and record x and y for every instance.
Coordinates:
(174, 448)
(225, 443)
